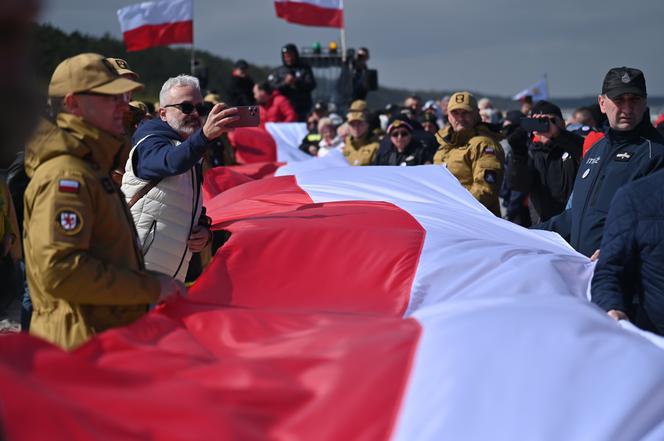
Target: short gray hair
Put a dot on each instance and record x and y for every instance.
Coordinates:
(179, 81)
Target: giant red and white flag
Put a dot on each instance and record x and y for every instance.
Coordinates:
(373, 303)
(157, 23)
(325, 13)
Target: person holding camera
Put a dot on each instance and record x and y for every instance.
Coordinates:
(631, 149)
(163, 175)
(544, 161)
(295, 80)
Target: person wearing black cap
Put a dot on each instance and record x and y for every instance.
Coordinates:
(404, 148)
(631, 149)
(240, 86)
(544, 165)
(295, 80)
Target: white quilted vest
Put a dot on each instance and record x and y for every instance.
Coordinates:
(164, 217)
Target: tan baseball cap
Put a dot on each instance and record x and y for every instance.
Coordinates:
(139, 105)
(89, 73)
(122, 68)
(462, 100)
(213, 98)
(357, 111)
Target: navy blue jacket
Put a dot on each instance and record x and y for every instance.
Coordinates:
(157, 158)
(629, 275)
(618, 158)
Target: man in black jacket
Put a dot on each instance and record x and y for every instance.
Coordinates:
(240, 88)
(544, 165)
(295, 80)
(628, 281)
(631, 149)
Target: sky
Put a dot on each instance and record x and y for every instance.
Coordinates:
(496, 47)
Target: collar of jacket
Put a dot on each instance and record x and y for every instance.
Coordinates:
(155, 127)
(360, 142)
(459, 139)
(72, 136)
(644, 129)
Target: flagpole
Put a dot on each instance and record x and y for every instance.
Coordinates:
(343, 44)
(193, 58)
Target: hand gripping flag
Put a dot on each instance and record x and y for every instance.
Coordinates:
(157, 23)
(325, 13)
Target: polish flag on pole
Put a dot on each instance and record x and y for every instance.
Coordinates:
(325, 13)
(160, 23)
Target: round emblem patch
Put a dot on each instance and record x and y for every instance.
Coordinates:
(69, 221)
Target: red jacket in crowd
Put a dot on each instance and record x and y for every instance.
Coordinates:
(277, 109)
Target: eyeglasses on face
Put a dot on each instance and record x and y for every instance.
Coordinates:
(186, 107)
(399, 133)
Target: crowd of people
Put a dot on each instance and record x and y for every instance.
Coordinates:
(107, 195)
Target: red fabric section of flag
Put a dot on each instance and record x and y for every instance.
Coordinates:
(148, 36)
(286, 252)
(253, 144)
(192, 371)
(220, 179)
(309, 15)
(247, 201)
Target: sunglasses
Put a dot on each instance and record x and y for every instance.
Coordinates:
(186, 107)
(399, 133)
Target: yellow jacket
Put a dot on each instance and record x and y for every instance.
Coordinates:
(476, 159)
(84, 268)
(361, 151)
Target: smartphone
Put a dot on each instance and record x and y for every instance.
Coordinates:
(249, 117)
(535, 124)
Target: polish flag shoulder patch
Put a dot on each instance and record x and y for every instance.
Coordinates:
(68, 186)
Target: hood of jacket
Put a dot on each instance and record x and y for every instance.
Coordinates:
(290, 47)
(73, 136)
(457, 139)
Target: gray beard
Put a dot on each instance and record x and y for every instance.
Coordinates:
(184, 129)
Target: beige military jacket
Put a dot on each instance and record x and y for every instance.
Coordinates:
(84, 268)
(476, 159)
(361, 151)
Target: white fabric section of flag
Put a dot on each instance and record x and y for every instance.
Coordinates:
(329, 4)
(510, 347)
(288, 137)
(332, 160)
(537, 367)
(467, 252)
(539, 91)
(652, 338)
(155, 13)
